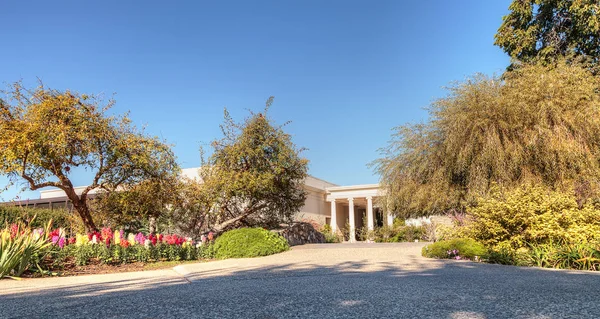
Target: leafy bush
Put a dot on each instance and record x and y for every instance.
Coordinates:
(455, 248)
(249, 242)
(396, 233)
(20, 248)
(330, 237)
(532, 215)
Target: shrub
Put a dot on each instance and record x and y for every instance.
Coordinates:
(249, 242)
(409, 233)
(461, 248)
(581, 256)
(396, 233)
(532, 215)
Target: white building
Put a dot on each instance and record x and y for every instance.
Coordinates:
(326, 203)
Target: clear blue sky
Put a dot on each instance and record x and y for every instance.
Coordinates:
(344, 72)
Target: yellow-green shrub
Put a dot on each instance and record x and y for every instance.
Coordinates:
(531, 215)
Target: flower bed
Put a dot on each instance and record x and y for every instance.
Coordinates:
(118, 247)
(45, 250)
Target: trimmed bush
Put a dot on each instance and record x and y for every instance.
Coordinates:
(462, 248)
(249, 242)
(532, 215)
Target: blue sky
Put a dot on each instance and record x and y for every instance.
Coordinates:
(344, 72)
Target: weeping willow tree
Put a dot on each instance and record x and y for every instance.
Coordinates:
(538, 124)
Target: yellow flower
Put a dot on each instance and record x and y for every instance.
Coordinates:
(117, 237)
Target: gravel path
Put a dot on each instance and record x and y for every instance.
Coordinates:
(314, 281)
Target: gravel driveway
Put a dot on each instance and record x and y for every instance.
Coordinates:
(314, 281)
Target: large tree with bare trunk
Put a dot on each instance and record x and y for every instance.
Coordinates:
(45, 134)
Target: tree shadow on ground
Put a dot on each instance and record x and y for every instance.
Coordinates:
(420, 288)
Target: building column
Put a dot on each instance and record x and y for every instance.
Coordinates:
(351, 218)
(370, 213)
(333, 217)
(390, 218)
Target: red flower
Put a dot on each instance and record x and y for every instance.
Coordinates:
(55, 232)
(72, 240)
(152, 239)
(124, 243)
(98, 236)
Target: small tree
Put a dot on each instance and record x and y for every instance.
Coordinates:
(45, 133)
(538, 124)
(254, 176)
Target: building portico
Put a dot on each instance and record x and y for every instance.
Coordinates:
(350, 203)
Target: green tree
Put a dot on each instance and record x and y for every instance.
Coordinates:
(45, 133)
(538, 124)
(254, 177)
(547, 29)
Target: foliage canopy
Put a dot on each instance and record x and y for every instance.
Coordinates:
(539, 124)
(547, 29)
(45, 133)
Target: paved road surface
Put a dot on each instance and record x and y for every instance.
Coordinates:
(314, 281)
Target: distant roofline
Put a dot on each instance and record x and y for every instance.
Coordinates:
(322, 180)
(352, 187)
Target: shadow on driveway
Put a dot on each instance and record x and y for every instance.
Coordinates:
(413, 287)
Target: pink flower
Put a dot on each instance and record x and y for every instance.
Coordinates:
(61, 242)
(140, 238)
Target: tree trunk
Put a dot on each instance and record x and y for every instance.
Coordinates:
(86, 217)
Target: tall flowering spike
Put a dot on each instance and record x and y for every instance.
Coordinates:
(106, 233)
(14, 229)
(81, 240)
(140, 238)
(61, 242)
(131, 239)
(117, 237)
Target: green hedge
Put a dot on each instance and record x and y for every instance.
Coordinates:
(249, 242)
(461, 247)
(61, 218)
